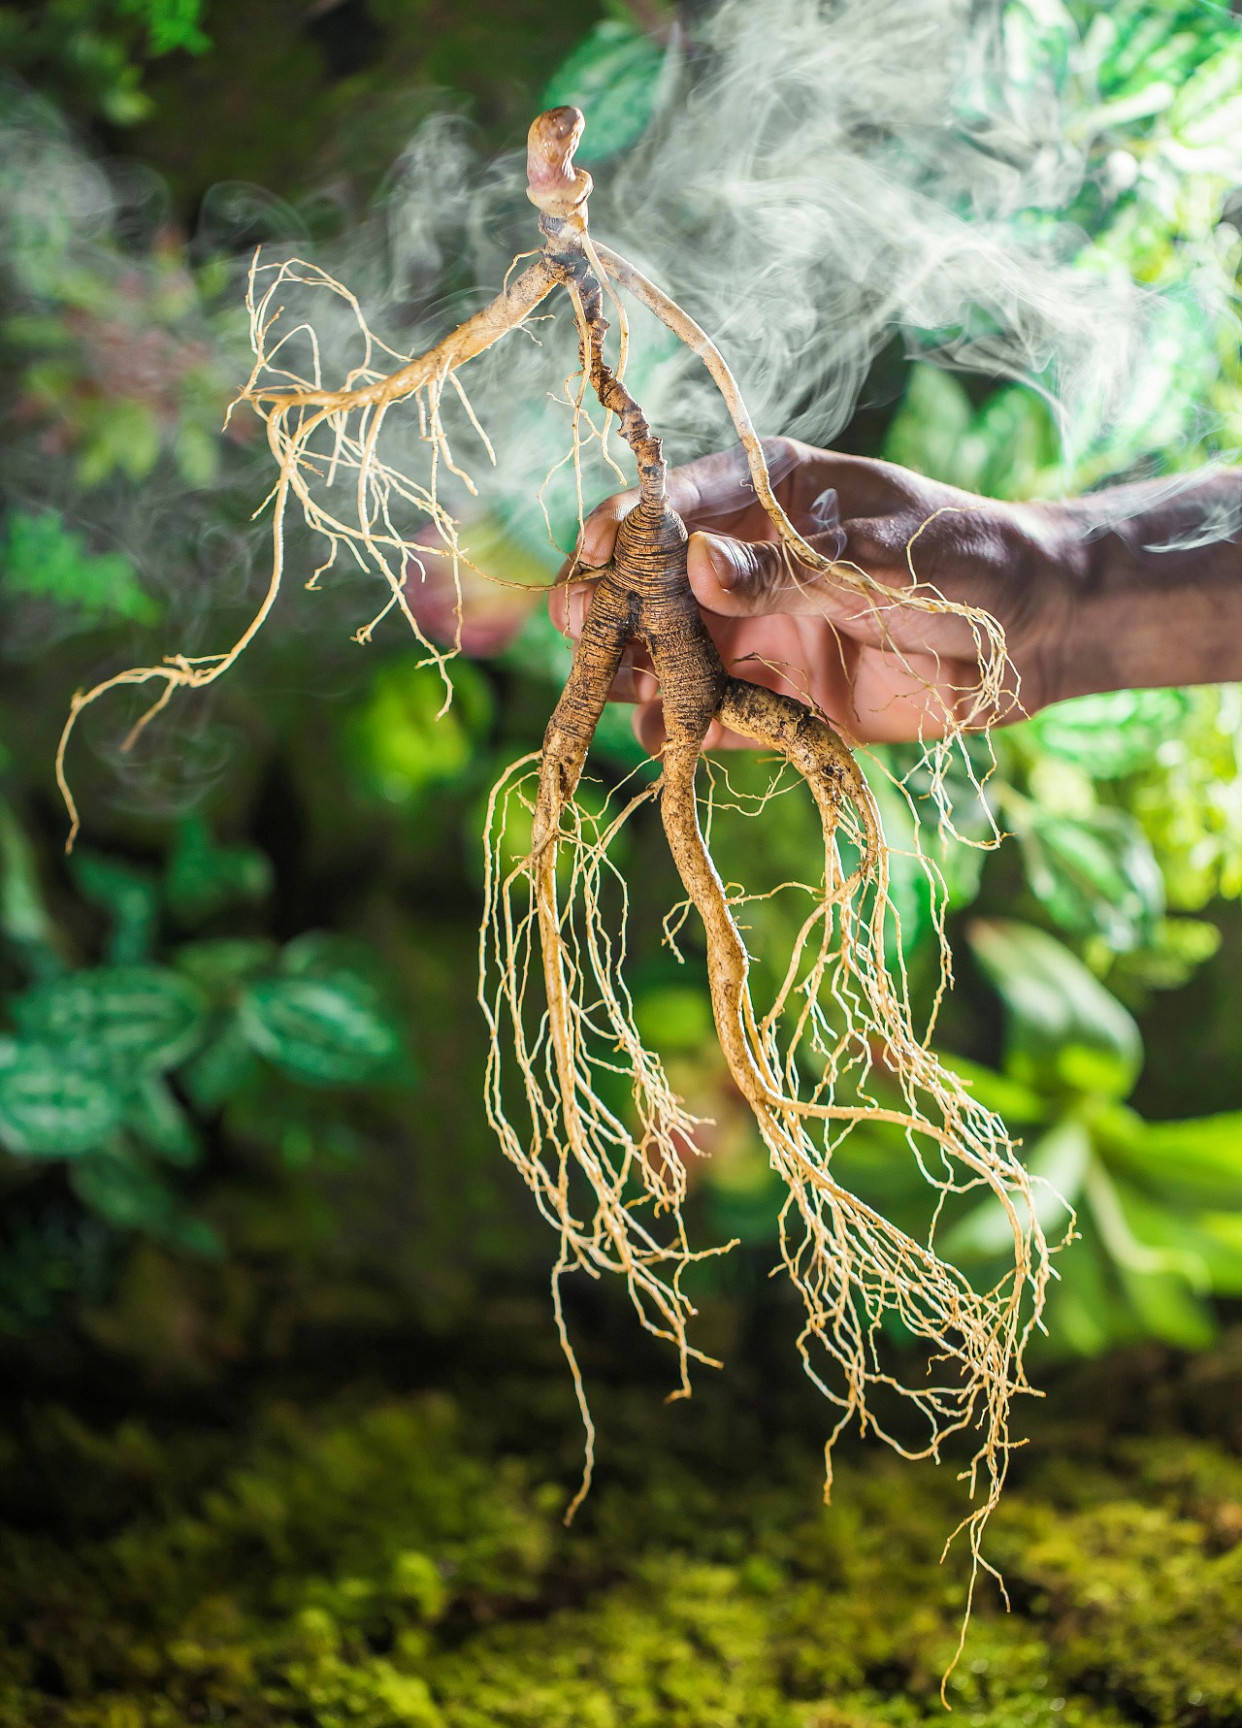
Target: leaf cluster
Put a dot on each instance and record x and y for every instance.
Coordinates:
(114, 1075)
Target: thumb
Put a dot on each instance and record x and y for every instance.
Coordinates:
(739, 578)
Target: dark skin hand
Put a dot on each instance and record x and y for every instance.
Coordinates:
(1086, 595)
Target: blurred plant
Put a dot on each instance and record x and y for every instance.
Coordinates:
(43, 560)
(114, 1073)
(90, 54)
(619, 74)
(1157, 1202)
(1157, 1228)
(115, 364)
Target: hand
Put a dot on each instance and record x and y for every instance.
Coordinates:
(881, 674)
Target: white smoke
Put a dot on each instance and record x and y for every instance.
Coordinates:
(824, 180)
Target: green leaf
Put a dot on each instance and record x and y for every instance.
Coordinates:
(129, 894)
(1019, 435)
(220, 963)
(406, 737)
(1203, 1248)
(1086, 1311)
(52, 1106)
(203, 878)
(1176, 948)
(170, 24)
(36, 330)
(1110, 734)
(132, 1197)
(330, 1028)
(42, 559)
(1194, 1163)
(154, 1116)
(617, 76)
(1169, 1308)
(125, 106)
(221, 1068)
(1063, 1024)
(23, 915)
(1058, 1163)
(1222, 1236)
(1011, 1100)
(1094, 875)
(1145, 49)
(674, 1017)
(1157, 1264)
(131, 1016)
(125, 434)
(197, 454)
(931, 430)
(1207, 109)
(326, 953)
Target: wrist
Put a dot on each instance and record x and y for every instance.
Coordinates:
(1154, 579)
(1050, 582)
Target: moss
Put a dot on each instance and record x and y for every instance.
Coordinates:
(378, 1567)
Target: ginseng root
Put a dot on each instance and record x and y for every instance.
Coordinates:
(612, 1180)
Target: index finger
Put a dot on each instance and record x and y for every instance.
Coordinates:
(705, 490)
(568, 603)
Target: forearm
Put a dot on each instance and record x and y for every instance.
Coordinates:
(1152, 574)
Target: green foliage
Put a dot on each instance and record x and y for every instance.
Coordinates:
(1188, 797)
(1123, 806)
(1008, 448)
(1094, 875)
(414, 732)
(1122, 803)
(1147, 1211)
(115, 1071)
(116, 348)
(49, 1108)
(41, 559)
(618, 75)
(132, 1018)
(319, 1024)
(1156, 1202)
(1110, 735)
(170, 24)
(384, 1565)
(1064, 1027)
(90, 53)
(202, 878)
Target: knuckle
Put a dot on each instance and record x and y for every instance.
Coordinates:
(782, 456)
(875, 542)
(779, 449)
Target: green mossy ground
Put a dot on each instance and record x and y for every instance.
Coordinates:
(386, 1561)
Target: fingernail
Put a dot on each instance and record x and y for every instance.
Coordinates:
(575, 611)
(720, 557)
(592, 550)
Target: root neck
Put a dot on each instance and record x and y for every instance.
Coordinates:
(570, 253)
